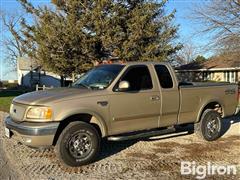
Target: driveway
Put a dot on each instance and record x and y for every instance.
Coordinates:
(6, 169)
(150, 158)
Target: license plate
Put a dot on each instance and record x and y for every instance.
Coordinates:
(7, 132)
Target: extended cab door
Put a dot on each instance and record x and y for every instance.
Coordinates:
(137, 108)
(169, 95)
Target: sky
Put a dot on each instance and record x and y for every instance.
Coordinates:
(183, 8)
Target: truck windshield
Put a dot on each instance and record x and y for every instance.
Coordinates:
(100, 77)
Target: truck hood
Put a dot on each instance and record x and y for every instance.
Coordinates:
(57, 94)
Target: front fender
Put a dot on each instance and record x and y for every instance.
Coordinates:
(96, 118)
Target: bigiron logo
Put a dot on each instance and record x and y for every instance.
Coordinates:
(201, 171)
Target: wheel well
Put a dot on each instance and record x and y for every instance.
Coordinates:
(215, 106)
(77, 117)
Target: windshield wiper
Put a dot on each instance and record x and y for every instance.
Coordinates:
(83, 85)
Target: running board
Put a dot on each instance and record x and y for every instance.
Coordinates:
(142, 134)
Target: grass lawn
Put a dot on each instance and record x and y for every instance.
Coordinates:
(6, 98)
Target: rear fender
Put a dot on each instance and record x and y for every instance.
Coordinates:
(205, 105)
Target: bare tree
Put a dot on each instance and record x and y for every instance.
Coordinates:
(11, 41)
(222, 19)
(187, 54)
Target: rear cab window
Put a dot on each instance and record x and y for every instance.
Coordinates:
(164, 76)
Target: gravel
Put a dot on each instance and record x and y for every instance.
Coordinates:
(6, 170)
(153, 158)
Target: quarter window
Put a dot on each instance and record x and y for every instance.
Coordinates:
(164, 76)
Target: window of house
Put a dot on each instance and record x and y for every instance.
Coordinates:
(233, 77)
(205, 76)
(228, 76)
(164, 76)
(138, 77)
(225, 76)
(212, 76)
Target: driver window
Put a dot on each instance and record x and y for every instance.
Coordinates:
(139, 78)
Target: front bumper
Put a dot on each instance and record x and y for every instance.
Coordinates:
(33, 134)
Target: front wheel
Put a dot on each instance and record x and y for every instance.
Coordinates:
(78, 144)
(209, 127)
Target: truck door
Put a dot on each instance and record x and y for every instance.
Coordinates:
(137, 108)
(169, 96)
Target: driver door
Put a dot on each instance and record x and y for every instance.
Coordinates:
(138, 108)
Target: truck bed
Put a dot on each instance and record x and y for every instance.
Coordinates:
(194, 96)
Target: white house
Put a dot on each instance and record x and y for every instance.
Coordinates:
(29, 74)
(225, 70)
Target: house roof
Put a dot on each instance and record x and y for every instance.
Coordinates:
(214, 63)
(27, 64)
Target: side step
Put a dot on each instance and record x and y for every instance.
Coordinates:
(141, 134)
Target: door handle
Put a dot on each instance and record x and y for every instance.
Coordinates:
(154, 98)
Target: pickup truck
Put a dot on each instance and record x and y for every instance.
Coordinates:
(117, 102)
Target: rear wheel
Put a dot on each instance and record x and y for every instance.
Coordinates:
(209, 127)
(78, 144)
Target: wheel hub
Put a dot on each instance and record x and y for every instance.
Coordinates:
(212, 126)
(80, 145)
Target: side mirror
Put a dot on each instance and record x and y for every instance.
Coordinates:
(123, 86)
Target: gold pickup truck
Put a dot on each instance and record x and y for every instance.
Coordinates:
(118, 102)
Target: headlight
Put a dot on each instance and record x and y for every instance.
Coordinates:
(39, 113)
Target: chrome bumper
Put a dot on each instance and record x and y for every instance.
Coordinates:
(32, 134)
(32, 128)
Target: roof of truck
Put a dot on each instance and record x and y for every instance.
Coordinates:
(139, 63)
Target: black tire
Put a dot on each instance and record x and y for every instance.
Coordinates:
(209, 127)
(78, 144)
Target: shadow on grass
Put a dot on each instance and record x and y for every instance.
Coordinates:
(8, 93)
